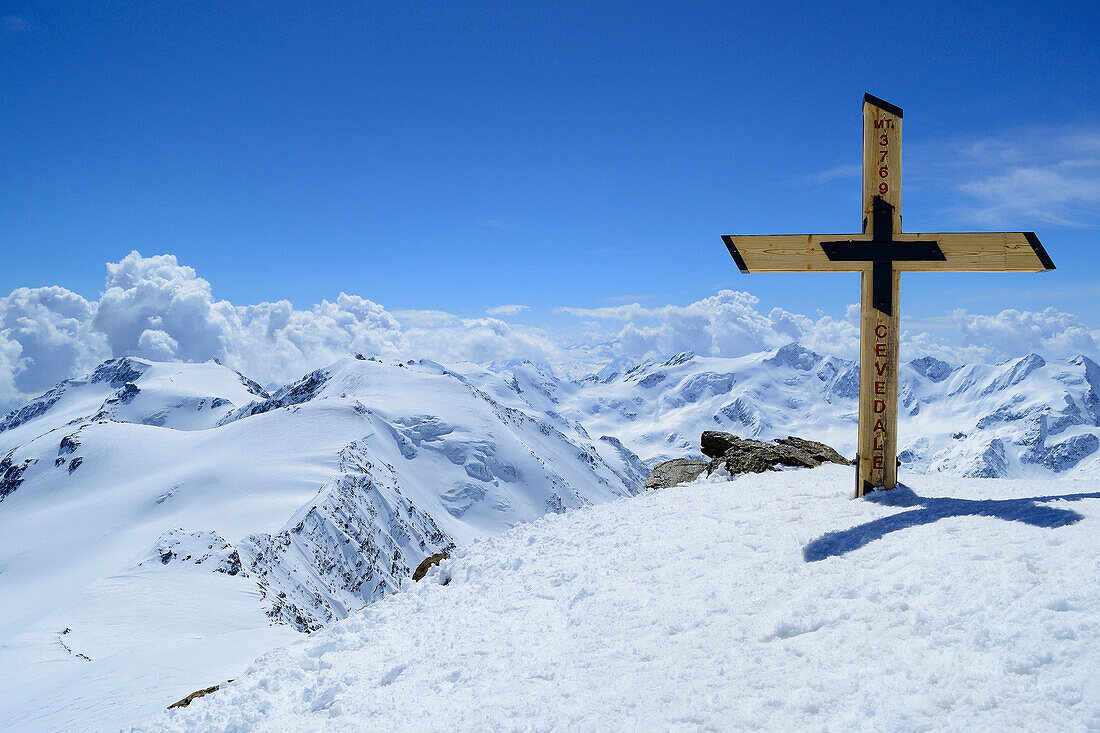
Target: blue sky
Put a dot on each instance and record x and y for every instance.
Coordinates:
(462, 156)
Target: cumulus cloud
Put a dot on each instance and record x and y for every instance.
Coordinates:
(507, 310)
(159, 309)
(46, 335)
(156, 308)
(966, 337)
(727, 324)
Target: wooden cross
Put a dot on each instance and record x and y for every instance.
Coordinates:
(880, 254)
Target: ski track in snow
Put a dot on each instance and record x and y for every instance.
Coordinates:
(702, 608)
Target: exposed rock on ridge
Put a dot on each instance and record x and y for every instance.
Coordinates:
(743, 455)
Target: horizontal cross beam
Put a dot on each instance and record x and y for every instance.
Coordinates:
(963, 252)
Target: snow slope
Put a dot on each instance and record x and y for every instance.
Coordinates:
(771, 601)
(161, 524)
(150, 539)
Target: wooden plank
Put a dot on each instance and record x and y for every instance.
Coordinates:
(878, 337)
(881, 158)
(965, 252)
(877, 441)
(787, 253)
(980, 252)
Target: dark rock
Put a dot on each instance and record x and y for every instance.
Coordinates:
(754, 456)
(818, 451)
(11, 473)
(744, 455)
(75, 463)
(715, 443)
(69, 444)
(194, 696)
(35, 408)
(992, 462)
(118, 372)
(1064, 455)
(252, 386)
(125, 394)
(931, 368)
(675, 472)
(304, 390)
(423, 567)
(232, 565)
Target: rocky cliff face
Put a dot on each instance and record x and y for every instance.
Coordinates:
(358, 541)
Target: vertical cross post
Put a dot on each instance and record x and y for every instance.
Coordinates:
(878, 358)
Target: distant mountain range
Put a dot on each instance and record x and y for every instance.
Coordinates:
(1026, 417)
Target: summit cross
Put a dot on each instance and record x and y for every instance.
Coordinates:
(880, 254)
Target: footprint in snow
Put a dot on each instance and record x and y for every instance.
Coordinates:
(392, 675)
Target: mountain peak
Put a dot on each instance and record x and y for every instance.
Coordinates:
(931, 368)
(795, 356)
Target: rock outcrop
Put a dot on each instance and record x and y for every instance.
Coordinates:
(675, 472)
(818, 451)
(195, 696)
(428, 563)
(742, 455)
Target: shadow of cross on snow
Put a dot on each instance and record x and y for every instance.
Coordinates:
(1032, 510)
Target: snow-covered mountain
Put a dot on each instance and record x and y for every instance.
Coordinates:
(1025, 417)
(771, 602)
(150, 482)
(179, 519)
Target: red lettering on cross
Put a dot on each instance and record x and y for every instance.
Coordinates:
(879, 406)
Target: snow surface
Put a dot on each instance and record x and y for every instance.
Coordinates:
(162, 524)
(767, 601)
(141, 559)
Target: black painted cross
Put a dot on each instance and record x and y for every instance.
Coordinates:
(880, 254)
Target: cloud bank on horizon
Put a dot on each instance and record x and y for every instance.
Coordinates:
(156, 308)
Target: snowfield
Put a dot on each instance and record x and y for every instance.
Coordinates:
(163, 524)
(769, 601)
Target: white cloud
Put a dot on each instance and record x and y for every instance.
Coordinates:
(830, 175)
(157, 308)
(967, 337)
(1047, 175)
(507, 310)
(159, 295)
(727, 324)
(627, 312)
(46, 335)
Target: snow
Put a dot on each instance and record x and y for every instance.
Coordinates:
(323, 503)
(1026, 417)
(162, 524)
(767, 601)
